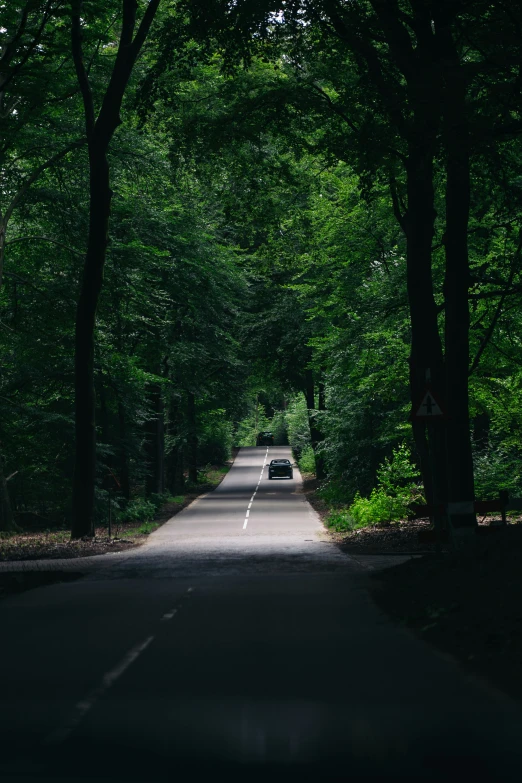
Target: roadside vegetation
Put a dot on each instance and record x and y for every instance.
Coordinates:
(130, 526)
(274, 260)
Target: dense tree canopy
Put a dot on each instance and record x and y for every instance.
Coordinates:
(215, 216)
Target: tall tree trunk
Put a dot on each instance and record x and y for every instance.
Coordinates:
(124, 460)
(6, 514)
(174, 478)
(426, 358)
(456, 284)
(100, 131)
(316, 436)
(85, 397)
(155, 445)
(192, 439)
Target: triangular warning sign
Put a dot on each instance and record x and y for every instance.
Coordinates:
(429, 407)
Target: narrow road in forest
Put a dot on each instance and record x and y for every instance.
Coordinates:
(238, 644)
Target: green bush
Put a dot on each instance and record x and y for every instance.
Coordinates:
(215, 438)
(396, 488)
(497, 469)
(138, 510)
(279, 428)
(341, 520)
(306, 461)
(379, 508)
(334, 493)
(298, 427)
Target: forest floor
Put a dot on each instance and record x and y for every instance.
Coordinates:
(57, 544)
(465, 604)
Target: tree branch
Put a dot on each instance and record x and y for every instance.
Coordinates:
(16, 240)
(37, 172)
(79, 65)
(498, 311)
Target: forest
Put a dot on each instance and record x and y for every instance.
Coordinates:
(223, 217)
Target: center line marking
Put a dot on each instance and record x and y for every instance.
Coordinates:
(247, 514)
(245, 524)
(250, 504)
(83, 707)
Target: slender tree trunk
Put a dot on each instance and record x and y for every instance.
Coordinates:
(124, 461)
(104, 410)
(174, 477)
(99, 134)
(192, 438)
(85, 411)
(155, 483)
(6, 514)
(456, 286)
(316, 436)
(426, 359)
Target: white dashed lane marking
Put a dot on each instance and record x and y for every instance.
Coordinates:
(85, 705)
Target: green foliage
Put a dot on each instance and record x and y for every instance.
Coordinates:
(397, 487)
(306, 461)
(214, 437)
(253, 237)
(297, 423)
(398, 476)
(341, 521)
(279, 428)
(248, 428)
(377, 509)
(498, 469)
(138, 510)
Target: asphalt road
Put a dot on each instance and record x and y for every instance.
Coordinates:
(238, 644)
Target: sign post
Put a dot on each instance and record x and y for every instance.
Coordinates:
(430, 409)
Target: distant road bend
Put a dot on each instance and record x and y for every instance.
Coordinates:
(237, 644)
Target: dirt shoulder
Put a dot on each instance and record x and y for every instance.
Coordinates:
(57, 544)
(467, 605)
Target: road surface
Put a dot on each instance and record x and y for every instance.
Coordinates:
(238, 644)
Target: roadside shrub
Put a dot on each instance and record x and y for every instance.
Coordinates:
(334, 493)
(215, 438)
(341, 520)
(379, 508)
(298, 427)
(279, 428)
(397, 487)
(138, 510)
(497, 469)
(306, 461)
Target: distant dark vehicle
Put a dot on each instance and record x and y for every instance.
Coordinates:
(265, 439)
(279, 468)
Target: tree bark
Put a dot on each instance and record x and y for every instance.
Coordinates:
(6, 514)
(124, 460)
(155, 445)
(100, 131)
(415, 113)
(426, 357)
(316, 436)
(192, 439)
(457, 279)
(85, 397)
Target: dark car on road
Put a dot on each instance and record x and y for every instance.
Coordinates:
(280, 468)
(265, 439)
